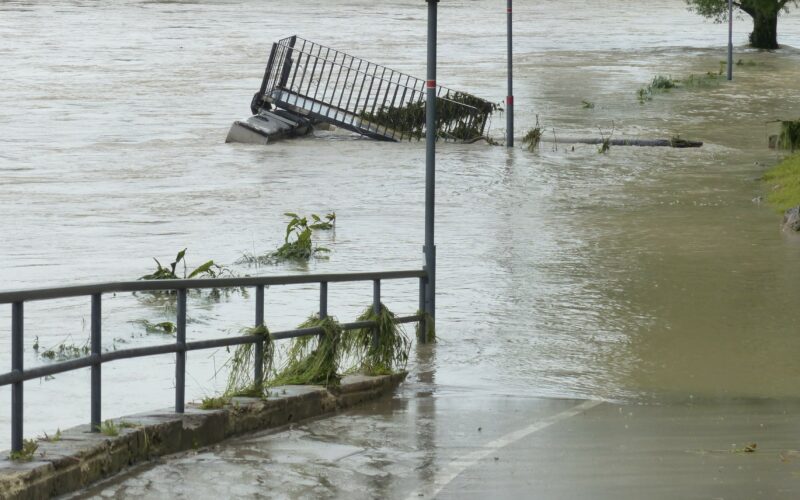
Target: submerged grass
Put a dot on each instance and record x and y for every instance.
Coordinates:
(783, 183)
(314, 359)
(380, 354)
(242, 365)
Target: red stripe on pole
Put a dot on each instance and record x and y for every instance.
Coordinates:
(508, 11)
(510, 99)
(431, 84)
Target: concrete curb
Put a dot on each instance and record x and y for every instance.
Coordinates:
(81, 457)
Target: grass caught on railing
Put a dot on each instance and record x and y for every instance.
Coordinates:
(241, 365)
(298, 245)
(388, 355)
(314, 359)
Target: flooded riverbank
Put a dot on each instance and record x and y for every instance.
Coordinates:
(646, 272)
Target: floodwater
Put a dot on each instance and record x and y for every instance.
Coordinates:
(642, 274)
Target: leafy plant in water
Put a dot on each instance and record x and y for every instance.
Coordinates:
(29, 447)
(241, 365)
(207, 270)
(587, 104)
(429, 323)
(313, 359)
(319, 224)
(165, 327)
(644, 94)
(661, 82)
(388, 354)
(64, 352)
(297, 247)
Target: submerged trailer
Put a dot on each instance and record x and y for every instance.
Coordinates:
(306, 84)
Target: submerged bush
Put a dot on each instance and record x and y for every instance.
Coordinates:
(207, 270)
(790, 135)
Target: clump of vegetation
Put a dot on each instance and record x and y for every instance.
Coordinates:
(379, 354)
(587, 104)
(644, 94)
(211, 403)
(63, 351)
(164, 328)
(207, 270)
(532, 139)
(319, 224)
(605, 146)
(701, 81)
(789, 137)
(661, 82)
(29, 447)
(297, 246)
(742, 62)
(109, 428)
(430, 327)
(54, 438)
(313, 359)
(783, 183)
(242, 365)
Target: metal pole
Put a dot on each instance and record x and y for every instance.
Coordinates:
(730, 40)
(423, 327)
(323, 299)
(258, 375)
(430, 159)
(510, 98)
(96, 348)
(376, 308)
(180, 356)
(16, 366)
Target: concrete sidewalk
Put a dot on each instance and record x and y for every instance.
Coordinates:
(447, 442)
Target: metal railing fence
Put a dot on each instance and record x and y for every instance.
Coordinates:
(312, 79)
(18, 374)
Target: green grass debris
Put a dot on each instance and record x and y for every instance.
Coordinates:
(314, 359)
(298, 245)
(388, 355)
(241, 373)
(29, 447)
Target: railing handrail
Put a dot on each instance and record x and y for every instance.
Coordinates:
(308, 52)
(26, 295)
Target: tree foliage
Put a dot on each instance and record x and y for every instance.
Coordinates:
(764, 13)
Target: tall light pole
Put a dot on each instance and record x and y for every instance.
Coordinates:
(730, 40)
(430, 160)
(510, 97)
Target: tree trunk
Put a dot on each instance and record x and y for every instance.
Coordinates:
(765, 30)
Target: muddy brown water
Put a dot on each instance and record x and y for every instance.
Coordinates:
(644, 273)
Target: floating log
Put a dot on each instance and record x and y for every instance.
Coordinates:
(669, 143)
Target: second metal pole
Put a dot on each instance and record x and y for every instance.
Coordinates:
(510, 98)
(430, 159)
(730, 40)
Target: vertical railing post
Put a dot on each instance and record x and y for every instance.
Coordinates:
(376, 309)
(730, 40)
(180, 355)
(258, 375)
(423, 327)
(17, 330)
(430, 159)
(323, 299)
(96, 341)
(510, 98)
